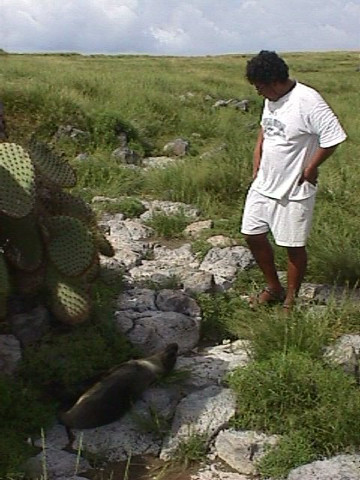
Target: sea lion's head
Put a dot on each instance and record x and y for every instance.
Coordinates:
(168, 357)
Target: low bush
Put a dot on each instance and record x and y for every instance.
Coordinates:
(292, 394)
(168, 226)
(22, 414)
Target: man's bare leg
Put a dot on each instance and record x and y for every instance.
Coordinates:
(264, 256)
(297, 262)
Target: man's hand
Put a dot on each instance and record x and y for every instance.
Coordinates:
(310, 175)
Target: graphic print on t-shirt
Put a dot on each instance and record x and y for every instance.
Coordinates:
(273, 127)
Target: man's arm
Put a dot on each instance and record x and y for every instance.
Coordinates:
(257, 153)
(311, 171)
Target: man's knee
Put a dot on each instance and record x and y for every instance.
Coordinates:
(296, 252)
(255, 240)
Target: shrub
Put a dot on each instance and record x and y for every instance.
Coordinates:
(290, 452)
(191, 450)
(168, 226)
(271, 332)
(22, 414)
(200, 248)
(292, 394)
(63, 361)
(130, 207)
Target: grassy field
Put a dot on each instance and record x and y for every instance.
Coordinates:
(148, 97)
(143, 96)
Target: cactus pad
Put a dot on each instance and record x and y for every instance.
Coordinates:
(17, 180)
(71, 247)
(64, 203)
(51, 166)
(23, 245)
(70, 302)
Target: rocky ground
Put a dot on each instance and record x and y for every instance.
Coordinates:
(139, 445)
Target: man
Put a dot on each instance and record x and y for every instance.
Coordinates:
(298, 133)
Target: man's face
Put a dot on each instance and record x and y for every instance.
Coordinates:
(267, 90)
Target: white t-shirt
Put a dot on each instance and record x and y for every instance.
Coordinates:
(294, 127)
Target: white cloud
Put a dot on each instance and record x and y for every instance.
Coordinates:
(185, 27)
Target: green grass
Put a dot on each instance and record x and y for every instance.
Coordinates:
(292, 394)
(168, 226)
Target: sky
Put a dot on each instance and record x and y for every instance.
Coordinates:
(178, 27)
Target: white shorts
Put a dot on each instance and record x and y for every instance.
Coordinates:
(288, 220)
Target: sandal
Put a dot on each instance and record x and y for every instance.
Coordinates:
(271, 297)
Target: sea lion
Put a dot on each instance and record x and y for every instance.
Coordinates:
(109, 398)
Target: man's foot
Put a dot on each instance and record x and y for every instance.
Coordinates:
(268, 296)
(290, 300)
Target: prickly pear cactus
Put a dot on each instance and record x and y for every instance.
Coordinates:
(17, 181)
(49, 239)
(52, 168)
(70, 299)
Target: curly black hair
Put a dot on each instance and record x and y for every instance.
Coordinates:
(267, 67)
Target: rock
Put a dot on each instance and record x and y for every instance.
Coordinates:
(211, 365)
(224, 263)
(341, 467)
(10, 354)
(178, 147)
(221, 241)
(127, 238)
(322, 294)
(242, 105)
(169, 263)
(168, 208)
(68, 131)
(58, 464)
(128, 231)
(220, 103)
(198, 282)
(137, 299)
(151, 331)
(346, 353)
(127, 156)
(203, 412)
(158, 162)
(241, 450)
(177, 301)
(196, 228)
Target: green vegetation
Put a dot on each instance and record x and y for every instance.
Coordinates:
(21, 414)
(168, 226)
(54, 372)
(295, 395)
(192, 450)
(287, 389)
(130, 207)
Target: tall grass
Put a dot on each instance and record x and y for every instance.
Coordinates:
(147, 98)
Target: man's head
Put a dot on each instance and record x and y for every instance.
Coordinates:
(268, 73)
